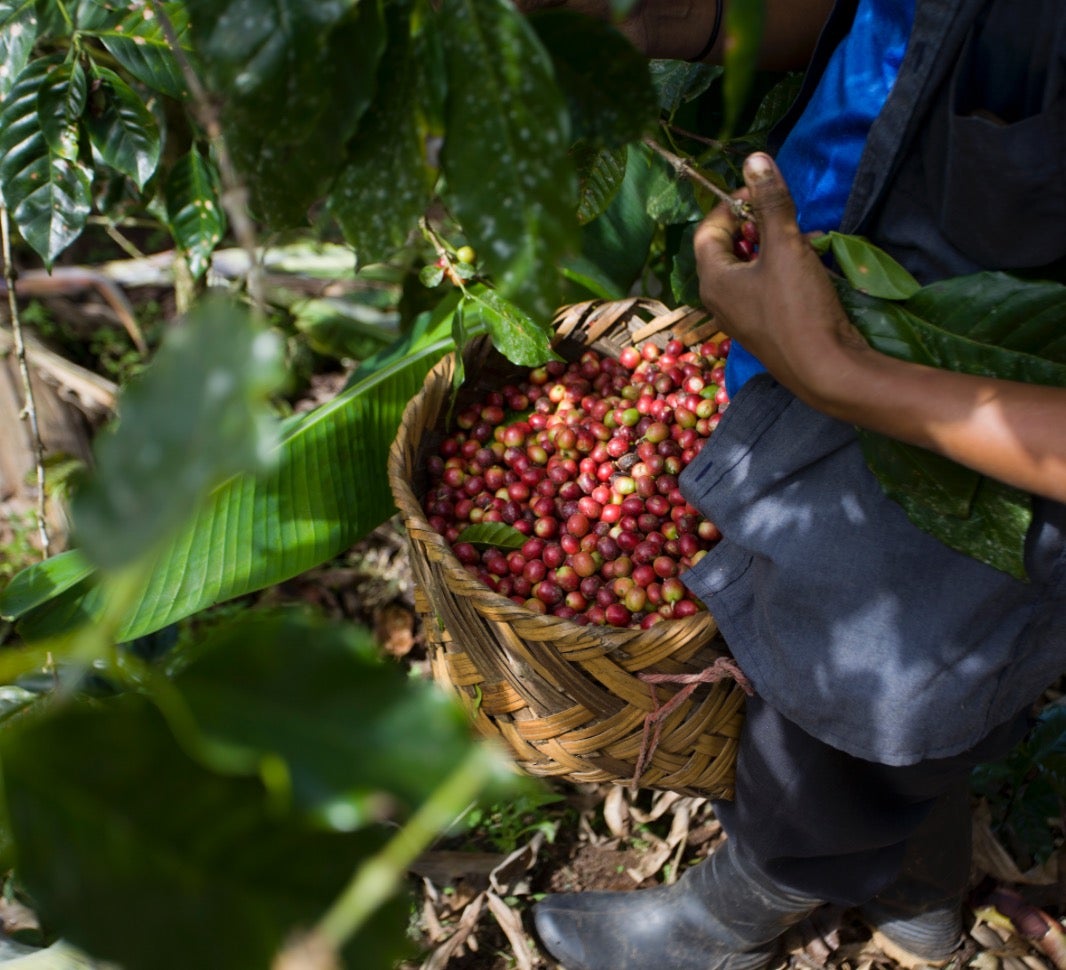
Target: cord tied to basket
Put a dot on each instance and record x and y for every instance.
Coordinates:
(722, 668)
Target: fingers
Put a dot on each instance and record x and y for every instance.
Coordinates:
(775, 212)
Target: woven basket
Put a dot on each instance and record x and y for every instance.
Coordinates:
(570, 701)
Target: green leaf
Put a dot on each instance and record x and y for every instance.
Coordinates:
(743, 27)
(49, 197)
(35, 586)
(601, 172)
(868, 267)
(988, 324)
(326, 487)
(350, 728)
(293, 91)
(776, 102)
(509, 181)
(494, 535)
(671, 198)
(678, 82)
(148, 859)
(515, 334)
(385, 183)
(18, 31)
(124, 132)
(605, 79)
(194, 417)
(684, 277)
(138, 43)
(60, 103)
(194, 209)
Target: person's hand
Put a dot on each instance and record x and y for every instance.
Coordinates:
(781, 305)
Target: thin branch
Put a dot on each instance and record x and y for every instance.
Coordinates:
(741, 209)
(693, 136)
(234, 191)
(29, 408)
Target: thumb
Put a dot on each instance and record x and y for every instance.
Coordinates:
(770, 198)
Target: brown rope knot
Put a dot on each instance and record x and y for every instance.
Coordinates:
(722, 668)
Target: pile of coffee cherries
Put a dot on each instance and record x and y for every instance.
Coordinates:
(582, 461)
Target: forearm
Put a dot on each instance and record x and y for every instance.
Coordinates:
(1010, 431)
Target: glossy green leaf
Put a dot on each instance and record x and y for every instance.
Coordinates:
(139, 855)
(743, 27)
(195, 416)
(494, 535)
(44, 581)
(122, 130)
(989, 324)
(18, 31)
(386, 181)
(326, 487)
(516, 335)
(601, 172)
(49, 197)
(670, 197)
(605, 79)
(351, 729)
(868, 267)
(139, 44)
(775, 103)
(509, 180)
(60, 103)
(677, 82)
(295, 78)
(194, 210)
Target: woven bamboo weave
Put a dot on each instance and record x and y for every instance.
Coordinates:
(567, 700)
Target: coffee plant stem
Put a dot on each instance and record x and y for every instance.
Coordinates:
(29, 407)
(685, 168)
(234, 192)
(377, 878)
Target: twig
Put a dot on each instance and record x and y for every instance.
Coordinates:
(29, 409)
(693, 136)
(741, 209)
(234, 191)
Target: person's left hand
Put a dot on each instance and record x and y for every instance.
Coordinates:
(781, 305)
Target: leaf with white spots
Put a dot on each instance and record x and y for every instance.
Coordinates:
(386, 182)
(515, 334)
(194, 212)
(60, 103)
(18, 30)
(49, 197)
(509, 179)
(197, 415)
(138, 43)
(122, 129)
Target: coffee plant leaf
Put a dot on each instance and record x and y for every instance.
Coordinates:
(18, 32)
(605, 79)
(679, 82)
(684, 278)
(138, 43)
(351, 729)
(385, 181)
(122, 130)
(197, 415)
(494, 535)
(601, 172)
(987, 324)
(775, 103)
(194, 210)
(671, 198)
(515, 334)
(165, 863)
(257, 530)
(743, 28)
(49, 197)
(867, 267)
(509, 180)
(61, 101)
(44, 581)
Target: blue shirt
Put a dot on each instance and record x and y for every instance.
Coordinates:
(821, 154)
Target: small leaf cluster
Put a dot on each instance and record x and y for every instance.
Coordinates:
(84, 95)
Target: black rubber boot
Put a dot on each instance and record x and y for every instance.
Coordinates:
(921, 913)
(720, 915)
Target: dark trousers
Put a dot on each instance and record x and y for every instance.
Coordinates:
(840, 829)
